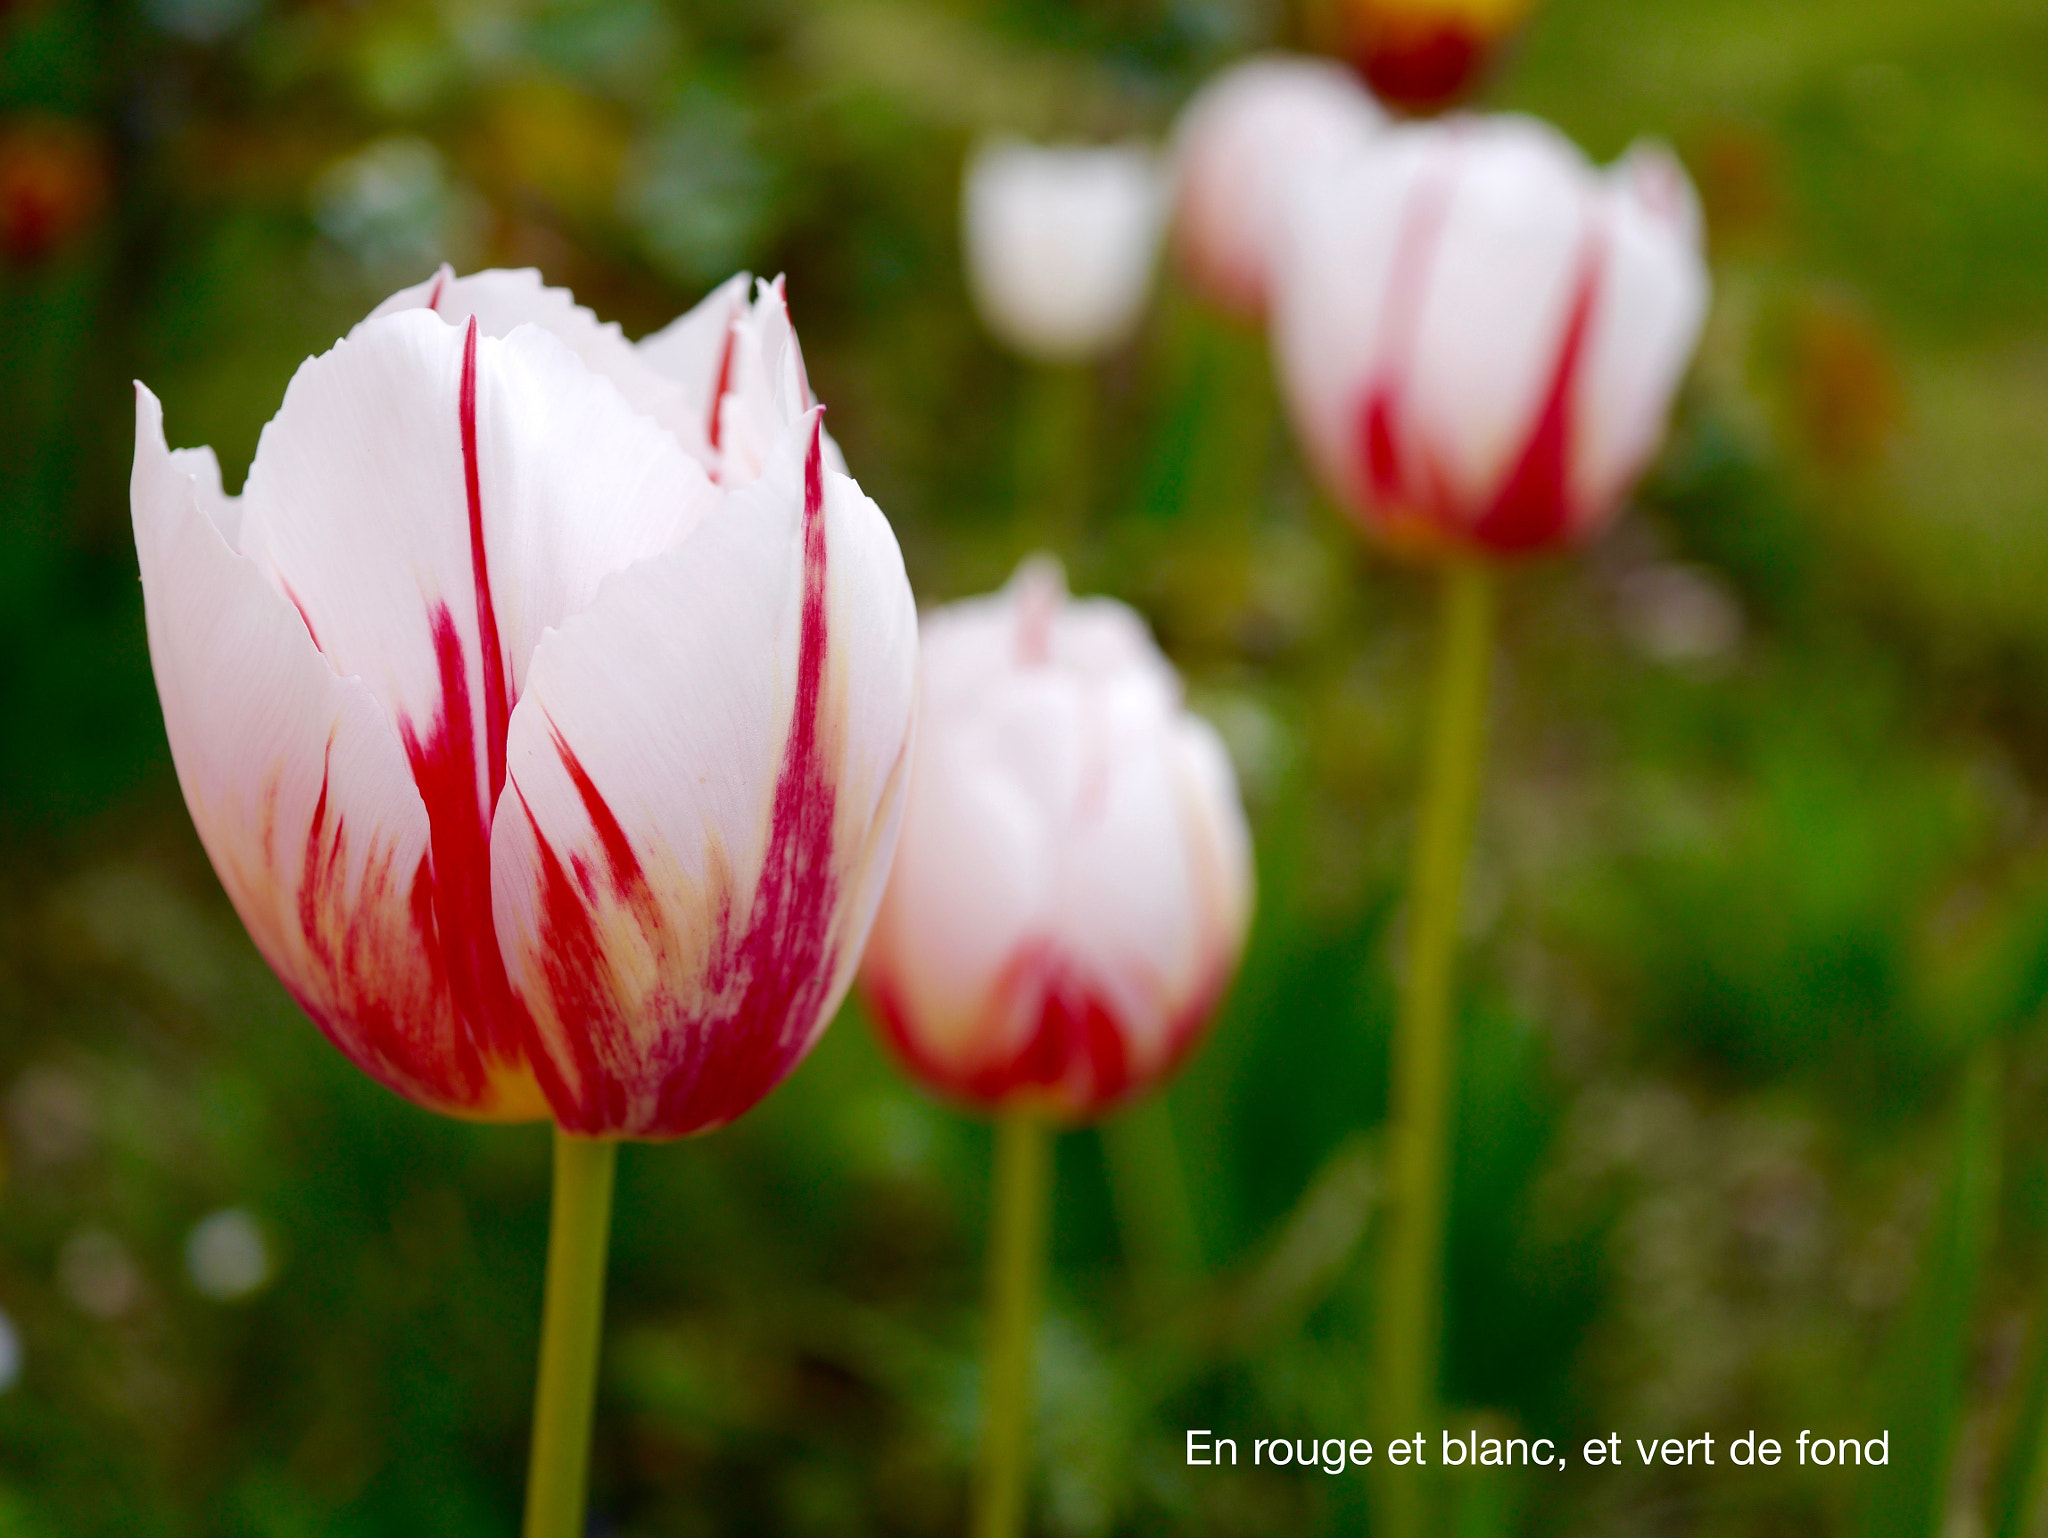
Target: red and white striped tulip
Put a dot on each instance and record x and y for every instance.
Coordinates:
(1242, 139)
(1074, 880)
(545, 718)
(1479, 334)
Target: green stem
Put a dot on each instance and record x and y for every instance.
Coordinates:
(572, 1321)
(1016, 1261)
(1418, 1144)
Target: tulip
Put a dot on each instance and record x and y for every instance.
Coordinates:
(1073, 882)
(545, 718)
(1479, 334)
(1060, 244)
(1069, 898)
(1422, 54)
(1238, 145)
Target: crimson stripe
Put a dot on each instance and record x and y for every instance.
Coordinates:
(1534, 505)
(497, 705)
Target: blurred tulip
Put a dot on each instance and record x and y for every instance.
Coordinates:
(553, 759)
(1423, 54)
(1074, 880)
(1061, 244)
(53, 185)
(1239, 142)
(1479, 334)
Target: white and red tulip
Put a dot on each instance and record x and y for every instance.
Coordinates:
(1240, 142)
(1074, 879)
(1061, 243)
(545, 716)
(1479, 334)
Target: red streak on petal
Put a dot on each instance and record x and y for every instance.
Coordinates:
(305, 618)
(384, 1003)
(780, 967)
(444, 766)
(434, 298)
(578, 978)
(497, 701)
(622, 866)
(1533, 508)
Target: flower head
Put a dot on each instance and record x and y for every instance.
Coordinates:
(1240, 142)
(1424, 54)
(1074, 880)
(1479, 334)
(1061, 243)
(551, 751)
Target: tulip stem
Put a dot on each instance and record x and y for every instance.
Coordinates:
(1419, 1119)
(1016, 1262)
(572, 1321)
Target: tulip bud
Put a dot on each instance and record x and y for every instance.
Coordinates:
(1423, 54)
(1479, 334)
(1237, 146)
(551, 775)
(1060, 244)
(1074, 880)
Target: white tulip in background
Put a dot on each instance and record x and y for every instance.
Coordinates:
(1479, 333)
(1074, 879)
(543, 702)
(1061, 243)
(227, 1256)
(1240, 142)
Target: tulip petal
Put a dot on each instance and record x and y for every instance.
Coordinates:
(432, 501)
(1496, 312)
(302, 796)
(1653, 301)
(695, 351)
(1353, 254)
(502, 300)
(706, 773)
(974, 877)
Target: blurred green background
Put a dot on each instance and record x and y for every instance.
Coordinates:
(1750, 1121)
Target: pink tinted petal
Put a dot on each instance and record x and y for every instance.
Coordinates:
(690, 849)
(303, 799)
